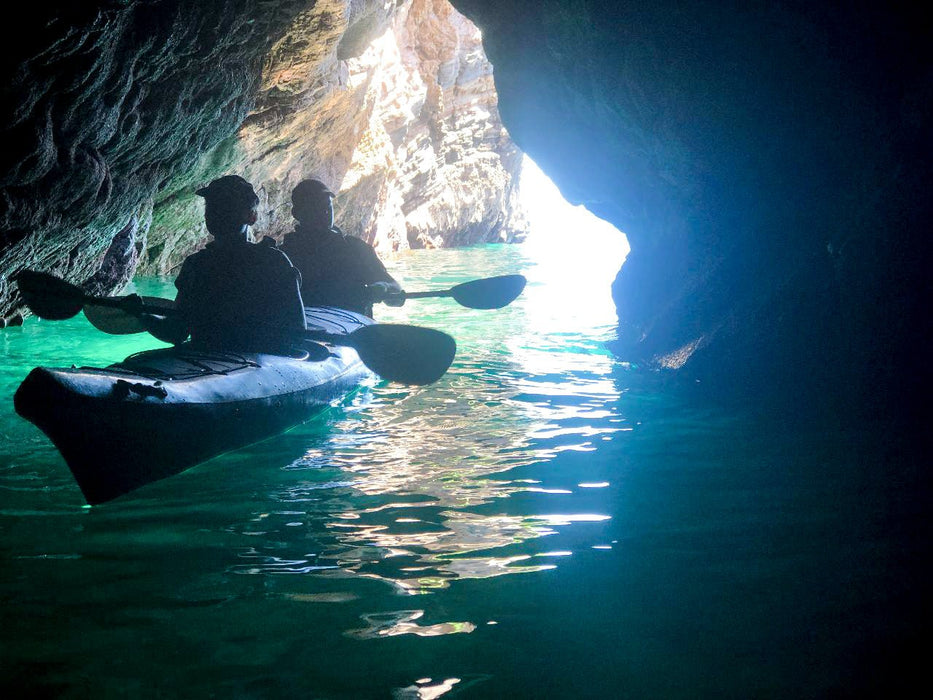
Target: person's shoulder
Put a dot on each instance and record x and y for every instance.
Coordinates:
(357, 243)
(272, 258)
(293, 241)
(205, 253)
(266, 249)
(195, 267)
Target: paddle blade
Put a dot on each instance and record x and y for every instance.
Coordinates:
(117, 321)
(489, 293)
(48, 296)
(404, 354)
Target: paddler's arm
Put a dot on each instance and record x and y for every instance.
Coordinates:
(291, 285)
(170, 328)
(383, 287)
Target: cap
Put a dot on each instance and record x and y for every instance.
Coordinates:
(231, 188)
(310, 189)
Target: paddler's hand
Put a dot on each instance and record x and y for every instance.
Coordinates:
(132, 304)
(168, 329)
(386, 293)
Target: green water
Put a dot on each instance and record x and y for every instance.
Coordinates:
(543, 522)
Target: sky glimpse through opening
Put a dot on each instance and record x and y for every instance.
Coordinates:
(575, 252)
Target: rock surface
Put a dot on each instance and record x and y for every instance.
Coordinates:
(770, 164)
(434, 166)
(104, 106)
(401, 122)
(115, 111)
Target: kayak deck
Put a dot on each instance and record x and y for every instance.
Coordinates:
(160, 412)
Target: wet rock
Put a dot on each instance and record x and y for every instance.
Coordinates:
(118, 264)
(106, 105)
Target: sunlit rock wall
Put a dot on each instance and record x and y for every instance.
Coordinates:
(770, 164)
(434, 166)
(113, 112)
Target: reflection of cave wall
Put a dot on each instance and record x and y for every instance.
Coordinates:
(769, 162)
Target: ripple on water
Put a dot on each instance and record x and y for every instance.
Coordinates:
(407, 489)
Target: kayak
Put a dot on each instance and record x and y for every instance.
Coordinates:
(159, 412)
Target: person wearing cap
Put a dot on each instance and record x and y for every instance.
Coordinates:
(234, 294)
(336, 269)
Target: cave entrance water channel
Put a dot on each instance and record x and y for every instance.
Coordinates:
(545, 521)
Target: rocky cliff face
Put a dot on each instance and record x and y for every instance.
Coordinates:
(401, 120)
(114, 111)
(434, 167)
(106, 104)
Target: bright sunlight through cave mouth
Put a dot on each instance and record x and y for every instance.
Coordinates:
(575, 252)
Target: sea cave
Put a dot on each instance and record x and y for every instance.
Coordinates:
(766, 169)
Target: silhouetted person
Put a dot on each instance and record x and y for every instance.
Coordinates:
(336, 269)
(234, 294)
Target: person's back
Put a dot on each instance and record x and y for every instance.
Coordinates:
(234, 294)
(336, 269)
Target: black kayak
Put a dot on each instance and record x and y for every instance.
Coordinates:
(160, 412)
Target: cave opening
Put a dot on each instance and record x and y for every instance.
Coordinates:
(433, 167)
(575, 252)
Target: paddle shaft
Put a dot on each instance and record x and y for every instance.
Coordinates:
(426, 295)
(403, 353)
(488, 293)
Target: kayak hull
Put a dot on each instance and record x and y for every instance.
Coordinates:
(160, 412)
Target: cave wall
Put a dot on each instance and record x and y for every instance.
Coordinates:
(402, 123)
(106, 104)
(115, 111)
(434, 166)
(769, 163)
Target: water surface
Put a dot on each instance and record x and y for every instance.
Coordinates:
(543, 522)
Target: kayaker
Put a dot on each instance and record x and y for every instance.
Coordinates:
(235, 294)
(336, 269)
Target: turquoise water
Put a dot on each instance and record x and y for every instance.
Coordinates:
(543, 522)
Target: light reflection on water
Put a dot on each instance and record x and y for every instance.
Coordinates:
(558, 517)
(408, 490)
(424, 473)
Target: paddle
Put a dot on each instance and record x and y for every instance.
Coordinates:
(54, 299)
(488, 293)
(399, 353)
(117, 321)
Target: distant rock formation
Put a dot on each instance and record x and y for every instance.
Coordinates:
(434, 166)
